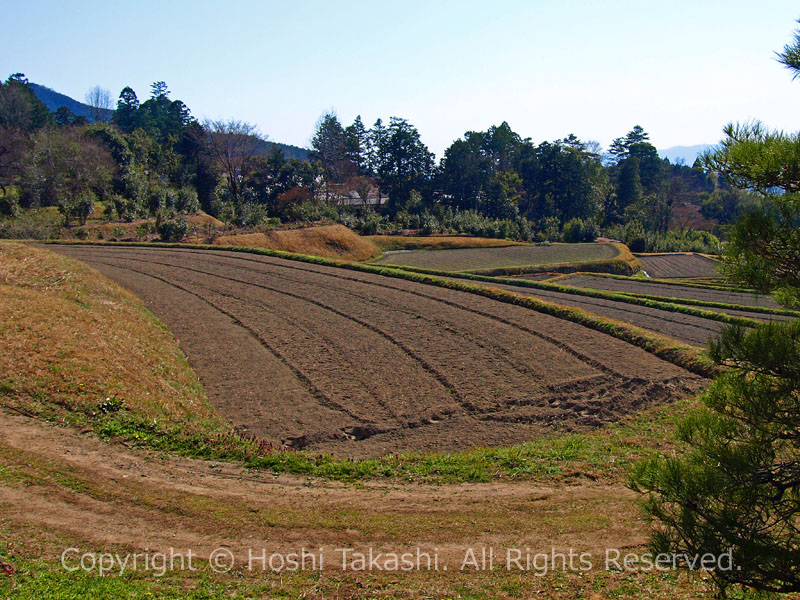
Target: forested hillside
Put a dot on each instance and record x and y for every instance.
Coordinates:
(153, 158)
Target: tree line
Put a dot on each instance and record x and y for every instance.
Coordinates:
(155, 159)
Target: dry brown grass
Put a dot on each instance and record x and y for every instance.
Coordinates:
(330, 241)
(71, 339)
(440, 242)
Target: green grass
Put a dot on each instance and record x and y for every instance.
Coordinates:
(606, 454)
(36, 579)
(33, 224)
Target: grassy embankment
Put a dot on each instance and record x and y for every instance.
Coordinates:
(330, 241)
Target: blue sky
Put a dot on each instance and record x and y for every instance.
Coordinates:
(680, 69)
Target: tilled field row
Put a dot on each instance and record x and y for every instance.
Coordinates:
(359, 364)
(678, 265)
(671, 291)
(692, 329)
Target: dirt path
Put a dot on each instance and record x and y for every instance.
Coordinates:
(142, 500)
(359, 364)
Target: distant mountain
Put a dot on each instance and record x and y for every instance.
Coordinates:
(53, 101)
(288, 150)
(687, 153)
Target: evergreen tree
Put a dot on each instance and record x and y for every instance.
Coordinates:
(737, 489)
(405, 165)
(126, 116)
(357, 145)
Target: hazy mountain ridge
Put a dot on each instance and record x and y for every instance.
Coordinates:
(687, 153)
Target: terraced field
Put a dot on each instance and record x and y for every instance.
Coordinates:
(359, 364)
(667, 266)
(691, 329)
(476, 259)
(632, 286)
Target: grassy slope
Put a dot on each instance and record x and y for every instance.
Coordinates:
(332, 241)
(81, 350)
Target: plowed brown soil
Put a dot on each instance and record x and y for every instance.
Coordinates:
(358, 364)
(678, 265)
(653, 288)
(687, 328)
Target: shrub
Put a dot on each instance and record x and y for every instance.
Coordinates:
(173, 230)
(186, 201)
(637, 244)
(311, 212)
(9, 206)
(578, 230)
(33, 224)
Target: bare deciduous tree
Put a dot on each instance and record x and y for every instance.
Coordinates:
(99, 99)
(233, 144)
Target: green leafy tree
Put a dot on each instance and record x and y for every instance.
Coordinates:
(737, 488)
(465, 171)
(21, 114)
(629, 184)
(560, 179)
(503, 196)
(19, 106)
(357, 142)
(620, 148)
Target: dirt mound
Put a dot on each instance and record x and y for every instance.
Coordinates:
(330, 241)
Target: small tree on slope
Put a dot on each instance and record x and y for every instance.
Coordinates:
(738, 486)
